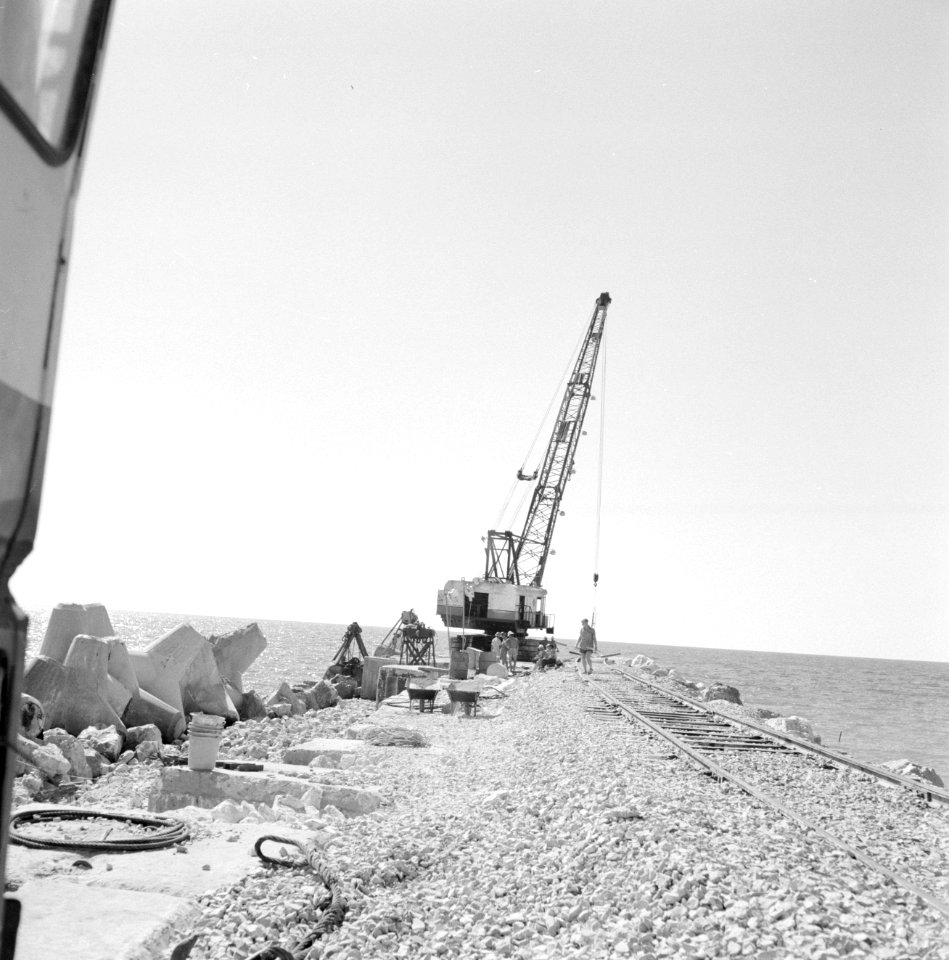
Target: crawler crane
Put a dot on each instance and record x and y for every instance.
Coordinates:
(509, 596)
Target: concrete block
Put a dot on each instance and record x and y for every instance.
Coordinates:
(61, 918)
(120, 665)
(330, 751)
(179, 668)
(44, 679)
(72, 696)
(236, 651)
(116, 694)
(145, 709)
(67, 621)
(234, 696)
(181, 787)
(202, 689)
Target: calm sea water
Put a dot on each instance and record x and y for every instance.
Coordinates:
(875, 710)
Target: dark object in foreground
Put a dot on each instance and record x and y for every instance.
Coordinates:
(331, 904)
(242, 766)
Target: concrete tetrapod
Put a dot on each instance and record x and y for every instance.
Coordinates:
(234, 652)
(67, 621)
(179, 668)
(73, 696)
(144, 708)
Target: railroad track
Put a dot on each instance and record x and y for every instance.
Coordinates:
(822, 791)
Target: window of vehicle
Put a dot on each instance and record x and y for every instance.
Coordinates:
(45, 60)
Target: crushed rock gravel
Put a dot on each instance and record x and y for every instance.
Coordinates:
(539, 831)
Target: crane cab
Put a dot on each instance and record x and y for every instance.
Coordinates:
(490, 606)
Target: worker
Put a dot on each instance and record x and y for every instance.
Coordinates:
(503, 650)
(587, 646)
(551, 659)
(512, 649)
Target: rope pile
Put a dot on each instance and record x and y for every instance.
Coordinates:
(166, 833)
(396, 737)
(330, 904)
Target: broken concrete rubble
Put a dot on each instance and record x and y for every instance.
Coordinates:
(104, 740)
(252, 707)
(322, 695)
(73, 749)
(181, 787)
(329, 752)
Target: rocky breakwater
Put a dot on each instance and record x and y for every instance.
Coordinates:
(90, 704)
(727, 699)
(546, 833)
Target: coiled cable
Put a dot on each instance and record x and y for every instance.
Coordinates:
(167, 832)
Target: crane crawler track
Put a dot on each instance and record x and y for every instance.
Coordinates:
(697, 730)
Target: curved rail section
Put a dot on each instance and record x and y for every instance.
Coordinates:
(693, 729)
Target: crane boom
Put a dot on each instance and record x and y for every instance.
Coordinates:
(522, 559)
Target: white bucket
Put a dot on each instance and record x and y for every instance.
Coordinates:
(202, 749)
(206, 722)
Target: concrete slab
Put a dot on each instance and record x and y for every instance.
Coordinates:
(218, 856)
(181, 787)
(329, 751)
(129, 926)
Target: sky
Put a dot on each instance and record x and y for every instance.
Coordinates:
(331, 259)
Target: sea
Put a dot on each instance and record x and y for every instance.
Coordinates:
(874, 710)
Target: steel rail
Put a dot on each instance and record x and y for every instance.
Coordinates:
(930, 791)
(721, 774)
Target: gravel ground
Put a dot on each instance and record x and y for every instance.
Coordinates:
(540, 831)
(544, 832)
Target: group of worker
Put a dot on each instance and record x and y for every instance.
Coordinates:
(505, 647)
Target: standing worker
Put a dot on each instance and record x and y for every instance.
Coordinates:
(513, 643)
(502, 649)
(586, 646)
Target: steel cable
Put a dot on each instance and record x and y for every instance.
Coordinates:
(169, 831)
(331, 905)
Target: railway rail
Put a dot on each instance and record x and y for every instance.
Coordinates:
(765, 763)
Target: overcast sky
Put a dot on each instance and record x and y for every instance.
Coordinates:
(331, 259)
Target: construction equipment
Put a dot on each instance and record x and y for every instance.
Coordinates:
(509, 596)
(50, 66)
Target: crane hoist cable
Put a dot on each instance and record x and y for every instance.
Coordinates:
(522, 473)
(599, 479)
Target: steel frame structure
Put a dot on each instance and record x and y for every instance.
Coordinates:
(522, 559)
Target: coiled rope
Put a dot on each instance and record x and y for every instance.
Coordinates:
(331, 904)
(167, 832)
